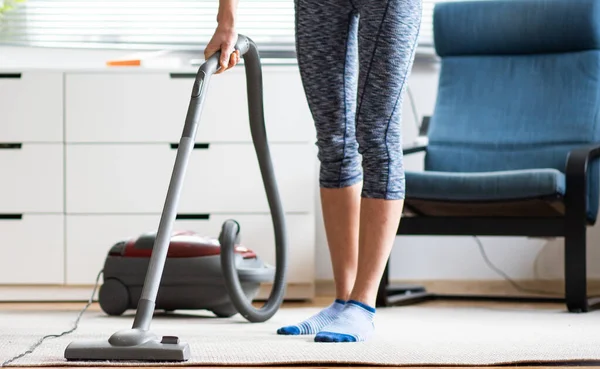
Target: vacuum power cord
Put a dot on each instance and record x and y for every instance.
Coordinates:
(32, 348)
(517, 286)
(413, 108)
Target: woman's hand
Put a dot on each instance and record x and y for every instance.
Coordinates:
(224, 39)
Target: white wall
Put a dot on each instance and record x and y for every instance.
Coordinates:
(458, 258)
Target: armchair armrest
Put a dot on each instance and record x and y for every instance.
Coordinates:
(413, 149)
(577, 179)
(577, 159)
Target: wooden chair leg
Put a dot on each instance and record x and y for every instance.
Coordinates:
(575, 266)
(397, 295)
(382, 294)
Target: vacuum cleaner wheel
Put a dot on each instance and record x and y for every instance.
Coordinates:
(113, 297)
(226, 311)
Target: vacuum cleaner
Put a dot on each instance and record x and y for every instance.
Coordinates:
(139, 343)
(192, 277)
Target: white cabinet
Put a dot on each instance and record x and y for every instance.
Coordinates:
(31, 185)
(31, 106)
(87, 155)
(32, 248)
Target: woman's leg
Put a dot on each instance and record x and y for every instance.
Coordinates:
(326, 44)
(387, 35)
(341, 213)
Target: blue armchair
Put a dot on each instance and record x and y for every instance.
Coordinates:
(515, 132)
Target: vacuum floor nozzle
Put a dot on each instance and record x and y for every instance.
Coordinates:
(167, 348)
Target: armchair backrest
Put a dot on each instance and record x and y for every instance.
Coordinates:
(519, 84)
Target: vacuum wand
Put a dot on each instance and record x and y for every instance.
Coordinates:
(147, 302)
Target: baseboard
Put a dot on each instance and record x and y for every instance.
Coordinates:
(46, 293)
(309, 291)
(60, 293)
(294, 291)
(478, 287)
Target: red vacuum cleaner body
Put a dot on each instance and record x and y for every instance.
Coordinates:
(183, 244)
(192, 277)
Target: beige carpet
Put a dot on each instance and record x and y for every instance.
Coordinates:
(405, 336)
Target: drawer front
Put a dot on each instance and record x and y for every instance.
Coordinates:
(32, 178)
(223, 178)
(32, 107)
(89, 238)
(151, 107)
(32, 249)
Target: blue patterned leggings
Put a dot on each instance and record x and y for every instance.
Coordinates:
(354, 57)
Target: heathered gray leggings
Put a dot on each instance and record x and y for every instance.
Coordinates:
(354, 57)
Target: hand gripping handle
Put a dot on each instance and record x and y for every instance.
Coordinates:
(211, 65)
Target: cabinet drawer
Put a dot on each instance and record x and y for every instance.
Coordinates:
(89, 238)
(32, 249)
(32, 107)
(151, 107)
(32, 178)
(112, 178)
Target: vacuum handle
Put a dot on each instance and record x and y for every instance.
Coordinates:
(205, 72)
(211, 65)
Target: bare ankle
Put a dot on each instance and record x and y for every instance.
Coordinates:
(342, 297)
(365, 297)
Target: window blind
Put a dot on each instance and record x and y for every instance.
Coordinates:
(151, 24)
(426, 34)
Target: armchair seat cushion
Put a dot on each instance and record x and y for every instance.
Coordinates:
(485, 186)
(513, 193)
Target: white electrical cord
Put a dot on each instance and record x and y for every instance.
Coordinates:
(507, 278)
(75, 326)
(413, 108)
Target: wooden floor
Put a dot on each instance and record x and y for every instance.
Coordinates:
(316, 303)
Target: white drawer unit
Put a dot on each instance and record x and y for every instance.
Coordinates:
(31, 106)
(32, 178)
(32, 246)
(151, 107)
(87, 156)
(90, 237)
(220, 178)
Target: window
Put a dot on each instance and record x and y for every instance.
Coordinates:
(426, 38)
(139, 24)
(136, 24)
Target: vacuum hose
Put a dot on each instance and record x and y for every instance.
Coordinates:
(230, 232)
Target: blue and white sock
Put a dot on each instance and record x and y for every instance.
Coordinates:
(353, 324)
(313, 324)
